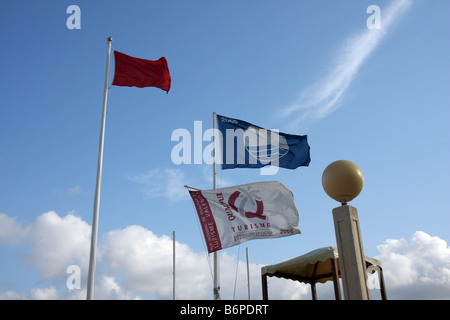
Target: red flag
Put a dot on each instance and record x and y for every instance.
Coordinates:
(135, 72)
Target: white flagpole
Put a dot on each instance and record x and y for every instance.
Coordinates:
(248, 273)
(91, 275)
(216, 289)
(173, 236)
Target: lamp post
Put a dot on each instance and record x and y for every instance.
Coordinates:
(343, 180)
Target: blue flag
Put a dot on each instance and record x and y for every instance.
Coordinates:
(245, 145)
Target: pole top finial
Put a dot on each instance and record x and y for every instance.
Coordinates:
(342, 180)
(109, 39)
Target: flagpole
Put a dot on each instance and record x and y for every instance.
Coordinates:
(91, 275)
(248, 273)
(216, 289)
(173, 237)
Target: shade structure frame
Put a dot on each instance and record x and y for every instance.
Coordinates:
(318, 266)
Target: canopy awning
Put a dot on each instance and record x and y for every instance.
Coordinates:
(318, 266)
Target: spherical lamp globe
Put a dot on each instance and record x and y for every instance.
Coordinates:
(342, 180)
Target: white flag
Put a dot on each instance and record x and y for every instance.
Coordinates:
(230, 216)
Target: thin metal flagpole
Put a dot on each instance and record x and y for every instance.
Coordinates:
(248, 273)
(216, 289)
(173, 237)
(91, 275)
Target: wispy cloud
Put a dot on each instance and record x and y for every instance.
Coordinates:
(168, 183)
(77, 190)
(325, 96)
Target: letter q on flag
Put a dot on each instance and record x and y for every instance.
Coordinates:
(233, 215)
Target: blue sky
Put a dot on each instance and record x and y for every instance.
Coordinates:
(378, 98)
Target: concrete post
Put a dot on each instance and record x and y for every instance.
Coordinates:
(351, 253)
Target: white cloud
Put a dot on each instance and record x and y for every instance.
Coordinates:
(76, 190)
(108, 289)
(12, 295)
(142, 259)
(168, 183)
(134, 263)
(44, 294)
(418, 269)
(57, 243)
(322, 98)
(11, 231)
